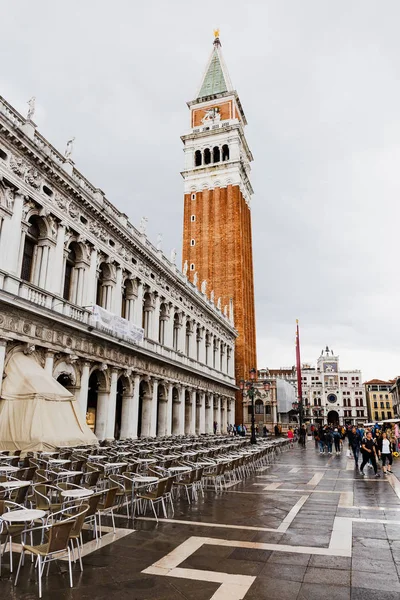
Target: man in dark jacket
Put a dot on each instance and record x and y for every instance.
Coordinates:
(368, 449)
(354, 443)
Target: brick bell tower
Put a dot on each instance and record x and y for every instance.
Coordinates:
(217, 243)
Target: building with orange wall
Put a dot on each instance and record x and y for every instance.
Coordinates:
(217, 239)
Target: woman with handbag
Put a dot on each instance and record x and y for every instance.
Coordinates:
(385, 450)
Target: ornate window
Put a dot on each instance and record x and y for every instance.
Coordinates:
(216, 154)
(207, 156)
(30, 246)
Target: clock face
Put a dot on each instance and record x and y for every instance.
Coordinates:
(332, 398)
(330, 367)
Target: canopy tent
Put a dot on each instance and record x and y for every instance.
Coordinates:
(36, 412)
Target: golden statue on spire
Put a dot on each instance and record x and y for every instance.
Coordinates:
(216, 33)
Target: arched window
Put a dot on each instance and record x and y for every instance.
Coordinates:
(216, 154)
(100, 282)
(259, 407)
(197, 158)
(208, 343)
(207, 156)
(31, 242)
(215, 350)
(124, 303)
(225, 152)
(69, 269)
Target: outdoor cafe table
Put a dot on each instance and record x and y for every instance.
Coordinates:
(114, 465)
(77, 493)
(97, 456)
(146, 460)
(22, 516)
(67, 474)
(58, 461)
(8, 469)
(14, 484)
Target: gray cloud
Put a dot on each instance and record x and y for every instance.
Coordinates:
(320, 85)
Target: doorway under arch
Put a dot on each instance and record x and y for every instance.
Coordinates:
(333, 418)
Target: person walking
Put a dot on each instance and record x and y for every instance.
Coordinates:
(290, 434)
(385, 449)
(302, 436)
(354, 443)
(276, 430)
(336, 439)
(321, 437)
(368, 450)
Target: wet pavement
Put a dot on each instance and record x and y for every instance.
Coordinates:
(307, 526)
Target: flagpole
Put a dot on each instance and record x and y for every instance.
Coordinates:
(298, 370)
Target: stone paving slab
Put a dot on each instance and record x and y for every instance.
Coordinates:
(319, 531)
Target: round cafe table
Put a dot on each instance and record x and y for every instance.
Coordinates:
(179, 469)
(14, 484)
(58, 461)
(77, 493)
(24, 515)
(8, 469)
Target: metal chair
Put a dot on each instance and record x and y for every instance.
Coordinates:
(56, 547)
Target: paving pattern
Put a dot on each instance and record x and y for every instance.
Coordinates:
(306, 527)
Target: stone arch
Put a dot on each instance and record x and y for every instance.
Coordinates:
(188, 403)
(67, 369)
(97, 400)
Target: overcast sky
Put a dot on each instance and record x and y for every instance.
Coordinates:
(319, 83)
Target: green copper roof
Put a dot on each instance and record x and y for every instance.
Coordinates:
(214, 80)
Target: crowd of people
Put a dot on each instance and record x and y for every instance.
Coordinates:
(370, 444)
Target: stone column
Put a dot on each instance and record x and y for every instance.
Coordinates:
(202, 426)
(182, 337)
(133, 410)
(169, 410)
(101, 414)
(210, 351)
(91, 284)
(210, 414)
(223, 416)
(117, 300)
(155, 321)
(112, 402)
(56, 275)
(49, 362)
(202, 349)
(139, 305)
(3, 348)
(182, 410)
(169, 330)
(193, 413)
(43, 267)
(233, 411)
(84, 389)
(217, 412)
(11, 240)
(154, 401)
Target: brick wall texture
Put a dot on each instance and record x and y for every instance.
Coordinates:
(222, 255)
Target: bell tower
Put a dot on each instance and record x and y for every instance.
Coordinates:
(217, 241)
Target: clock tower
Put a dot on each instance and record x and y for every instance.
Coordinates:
(217, 240)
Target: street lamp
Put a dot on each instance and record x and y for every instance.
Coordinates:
(252, 392)
(299, 408)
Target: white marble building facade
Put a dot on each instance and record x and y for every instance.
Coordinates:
(64, 248)
(332, 395)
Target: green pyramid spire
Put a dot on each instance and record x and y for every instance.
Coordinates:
(216, 79)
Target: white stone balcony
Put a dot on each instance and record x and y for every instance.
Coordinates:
(33, 296)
